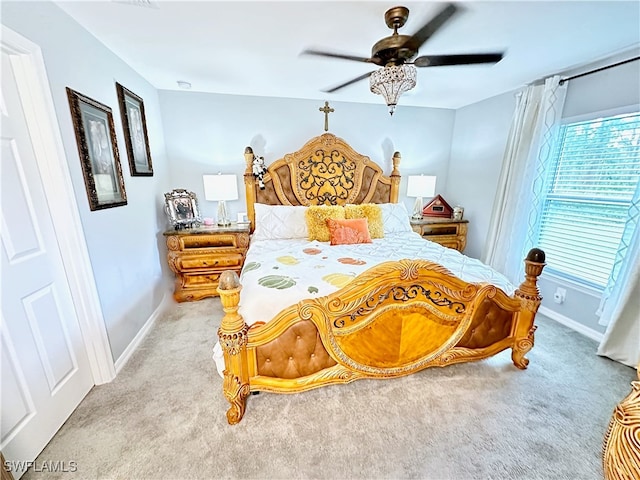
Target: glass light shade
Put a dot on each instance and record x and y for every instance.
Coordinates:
(221, 188)
(391, 82)
(420, 186)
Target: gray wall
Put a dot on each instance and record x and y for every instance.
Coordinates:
(207, 133)
(479, 139)
(124, 243)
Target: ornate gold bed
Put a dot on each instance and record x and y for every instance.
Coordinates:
(394, 319)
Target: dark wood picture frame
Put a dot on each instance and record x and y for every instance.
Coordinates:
(98, 150)
(134, 124)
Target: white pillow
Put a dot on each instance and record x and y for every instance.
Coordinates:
(275, 222)
(395, 218)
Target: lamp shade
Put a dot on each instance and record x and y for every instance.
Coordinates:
(220, 187)
(421, 186)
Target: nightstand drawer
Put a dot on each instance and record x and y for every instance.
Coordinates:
(205, 280)
(439, 230)
(209, 241)
(450, 242)
(191, 262)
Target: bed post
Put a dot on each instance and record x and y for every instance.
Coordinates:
(233, 339)
(621, 448)
(530, 299)
(395, 178)
(250, 187)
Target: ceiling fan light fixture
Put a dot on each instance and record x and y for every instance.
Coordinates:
(392, 81)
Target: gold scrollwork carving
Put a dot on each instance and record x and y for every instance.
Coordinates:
(621, 449)
(453, 354)
(466, 294)
(243, 240)
(521, 347)
(171, 261)
(233, 342)
(528, 301)
(328, 374)
(409, 270)
(236, 393)
(326, 178)
(400, 294)
(305, 310)
(328, 139)
(173, 243)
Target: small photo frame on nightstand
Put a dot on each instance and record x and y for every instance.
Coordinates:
(181, 207)
(243, 218)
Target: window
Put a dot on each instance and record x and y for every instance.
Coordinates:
(590, 185)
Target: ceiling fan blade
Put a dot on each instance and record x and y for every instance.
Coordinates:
(427, 30)
(445, 60)
(338, 55)
(342, 85)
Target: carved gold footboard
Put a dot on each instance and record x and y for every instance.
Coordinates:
(392, 320)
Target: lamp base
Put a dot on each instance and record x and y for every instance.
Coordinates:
(223, 217)
(417, 209)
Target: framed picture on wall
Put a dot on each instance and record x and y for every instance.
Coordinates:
(98, 149)
(136, 139)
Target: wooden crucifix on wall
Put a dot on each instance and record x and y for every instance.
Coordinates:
(326, 110)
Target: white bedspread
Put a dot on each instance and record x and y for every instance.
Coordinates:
(279, 273)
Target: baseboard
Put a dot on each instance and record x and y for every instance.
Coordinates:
(146, 328)
(572, 324)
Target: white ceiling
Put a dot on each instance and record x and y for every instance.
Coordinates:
(253, 48)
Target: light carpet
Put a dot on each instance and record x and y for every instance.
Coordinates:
(164, 417)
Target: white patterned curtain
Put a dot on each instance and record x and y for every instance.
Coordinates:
(521, 184)
(620, 306)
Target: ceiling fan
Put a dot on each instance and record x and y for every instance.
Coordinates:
(396, 54)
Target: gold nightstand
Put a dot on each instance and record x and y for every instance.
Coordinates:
(199, 255)
(445, 231)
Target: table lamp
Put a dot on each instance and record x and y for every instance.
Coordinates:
(420, 186)
(221, 188)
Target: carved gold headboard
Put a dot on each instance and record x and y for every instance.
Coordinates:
(325, 171)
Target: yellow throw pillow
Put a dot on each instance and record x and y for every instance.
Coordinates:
(373, 214)
(316, 217)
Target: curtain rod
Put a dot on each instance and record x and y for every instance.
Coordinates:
(599, 69)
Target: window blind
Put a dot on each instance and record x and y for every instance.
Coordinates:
(594, 174)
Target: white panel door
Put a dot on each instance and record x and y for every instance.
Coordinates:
(44, 365)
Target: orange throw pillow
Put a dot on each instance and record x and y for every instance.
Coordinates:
(348, 232)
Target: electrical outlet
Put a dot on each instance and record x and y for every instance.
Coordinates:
(560, 295)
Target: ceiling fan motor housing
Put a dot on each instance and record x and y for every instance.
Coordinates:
(395, 49)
